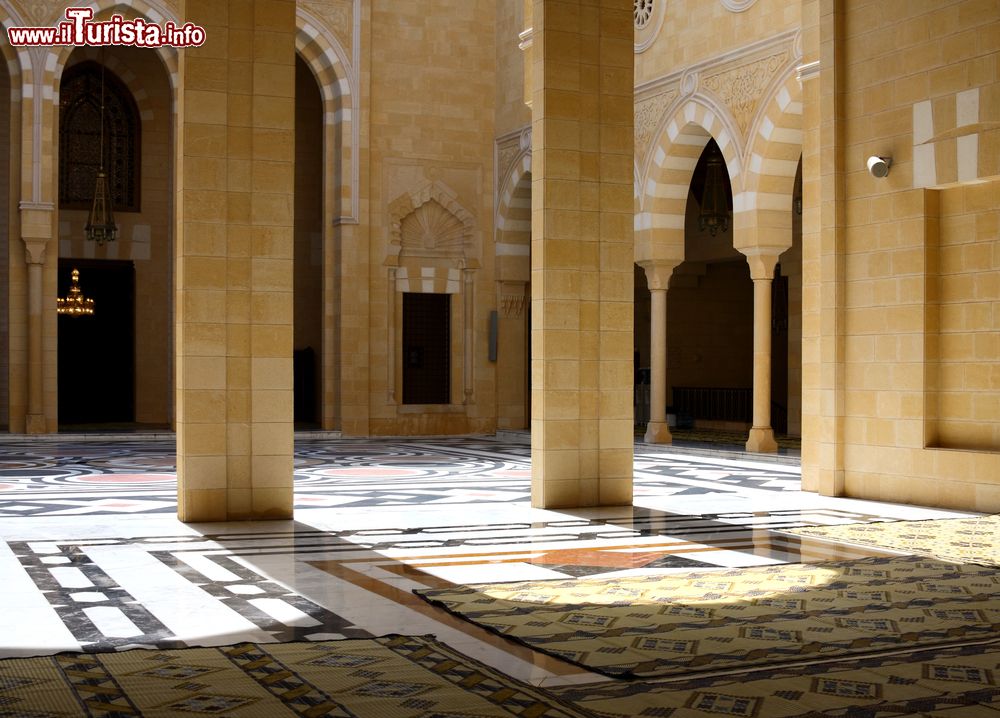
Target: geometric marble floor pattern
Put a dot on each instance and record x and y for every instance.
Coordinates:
(95, 477)
(92, 557)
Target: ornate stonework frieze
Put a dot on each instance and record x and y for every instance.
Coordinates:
(642, 11)
(512, 306)
(338, 15)
(741, 88)
(40, 14)
(737, 5)
(648, 115)
(648, 19)
(508, 148)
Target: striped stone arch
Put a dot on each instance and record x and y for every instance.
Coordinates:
(17, 59)
(328, 61)
(774, 147)
(513, 221)
(666, 178)
(148, 10)
(127, 77)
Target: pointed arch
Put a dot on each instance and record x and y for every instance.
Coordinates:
(513, 221)
(680, 140)
(326, 58)
(774, 146)
(149, 10)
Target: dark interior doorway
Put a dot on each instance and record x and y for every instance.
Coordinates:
(426, 348)
(97, 353)
(779, 352)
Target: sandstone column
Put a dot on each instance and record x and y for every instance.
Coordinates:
(761, 438)
(658, 279)
(236, 123)
(582, 253)
(36, 231)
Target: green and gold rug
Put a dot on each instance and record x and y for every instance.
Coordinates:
(735, 619)
(404, 676)
(974, 539)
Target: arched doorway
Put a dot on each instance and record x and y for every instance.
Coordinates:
(115, 369)
(710, 312)
(308, 289)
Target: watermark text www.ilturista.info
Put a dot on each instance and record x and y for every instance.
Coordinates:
(80, 29)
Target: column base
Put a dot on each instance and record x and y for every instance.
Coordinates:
(657, 432)
(35, 424)
(762, 441)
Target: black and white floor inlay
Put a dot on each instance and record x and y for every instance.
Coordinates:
(96, 478)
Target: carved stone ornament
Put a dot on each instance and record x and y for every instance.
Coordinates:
(689, 83)
(740, 88)
(642, 11)
(524, 140)
(430, 223)
(648, 115)
(737, 5)
(338, 15)
(509, 148)
(512, 306)
(648, 19)
(40, 14)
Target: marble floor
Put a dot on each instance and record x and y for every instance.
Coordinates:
(93, 558)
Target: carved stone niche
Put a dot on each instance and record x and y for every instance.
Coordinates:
(433, 249)
(431, 223)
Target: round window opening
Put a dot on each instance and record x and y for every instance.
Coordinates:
(642, 10)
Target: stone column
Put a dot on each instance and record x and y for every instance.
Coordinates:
(761, 438)
(658, 279)
(236, 124)
(36, 231)
(582, 253)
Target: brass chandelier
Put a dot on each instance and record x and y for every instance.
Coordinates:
(75, 304)
(101, 225)
(714, 214)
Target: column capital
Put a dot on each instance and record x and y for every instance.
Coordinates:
(36, 229)
(762, 261)
(658, 271)
(34, 250)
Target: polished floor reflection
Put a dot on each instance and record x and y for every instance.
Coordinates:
(92, 557)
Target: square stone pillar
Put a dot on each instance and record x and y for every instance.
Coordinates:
(582, 253)
(236, 120)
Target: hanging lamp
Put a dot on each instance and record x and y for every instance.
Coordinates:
(75, 304)
(714, 214)
(101, 225)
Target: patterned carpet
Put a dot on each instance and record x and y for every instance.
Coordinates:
(954, 682)
(399, 676)
(709, 621)
(967, 540)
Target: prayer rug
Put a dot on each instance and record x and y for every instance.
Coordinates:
(734, 619)
(398, 676)
(974, 539)
(954, 682)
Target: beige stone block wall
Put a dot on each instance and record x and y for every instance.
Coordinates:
(695, 30)
(433, 92)
(235, 254)
(144, 237)
(511, 111)
(812, 421)
(582, 254)
(886, 387)
(968, 317)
